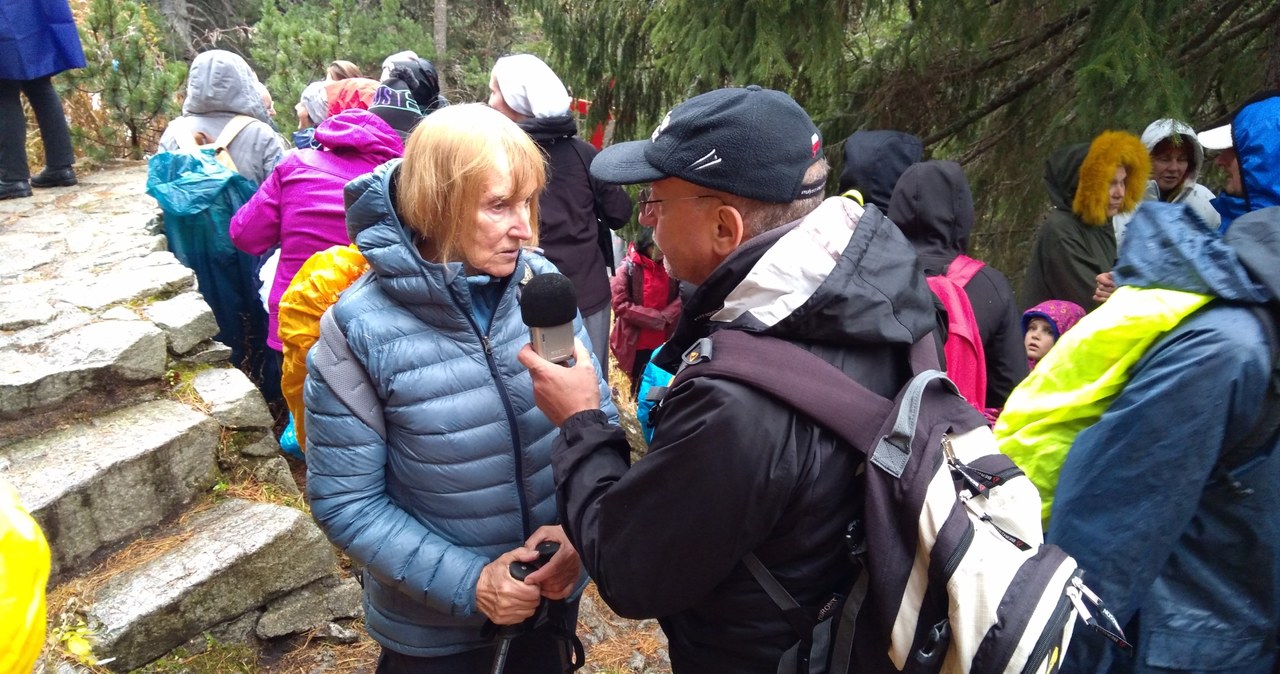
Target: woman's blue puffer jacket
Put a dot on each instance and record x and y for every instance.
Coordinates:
(464, 474)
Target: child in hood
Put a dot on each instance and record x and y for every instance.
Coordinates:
(1043, 325)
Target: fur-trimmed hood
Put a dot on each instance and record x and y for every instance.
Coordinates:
(1109, 150)
(1078, 176)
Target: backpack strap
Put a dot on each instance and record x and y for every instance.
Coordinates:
(332, 359)
(825, 394)
(963, 269)
(230, 131)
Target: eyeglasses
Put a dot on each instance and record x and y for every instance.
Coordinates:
(648, 207)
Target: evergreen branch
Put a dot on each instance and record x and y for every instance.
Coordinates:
(1211, 26)
(1257, 23)
(1026, 82)
(1027, 43)
(984, 145)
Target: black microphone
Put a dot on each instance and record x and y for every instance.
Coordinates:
(548, 306)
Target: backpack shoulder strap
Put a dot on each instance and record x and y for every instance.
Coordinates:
(231, 130)
(825, 394)
(963, 269)
(333, 360)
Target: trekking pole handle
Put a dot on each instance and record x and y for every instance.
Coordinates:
(546, 550)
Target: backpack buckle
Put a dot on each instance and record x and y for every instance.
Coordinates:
(700, 352)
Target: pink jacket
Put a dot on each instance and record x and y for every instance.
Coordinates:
(300, 208)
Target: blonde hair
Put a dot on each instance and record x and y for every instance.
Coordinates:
(343, 70)
(449, 161)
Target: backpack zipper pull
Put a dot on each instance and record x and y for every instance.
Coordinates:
(1108, 625)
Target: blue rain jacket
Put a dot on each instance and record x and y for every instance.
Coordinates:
(1189, 567)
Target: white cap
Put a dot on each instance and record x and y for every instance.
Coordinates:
(1217, 138)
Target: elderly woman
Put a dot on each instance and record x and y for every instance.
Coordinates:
(460, 486)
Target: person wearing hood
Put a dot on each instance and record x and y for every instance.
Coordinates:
(873, 162)
(736, 179)
(1168, 494)
(1176, 160)
(575, 205)
(1249, 153)
(299, 208)
(933, 207)
(38, 40)
(1088, 185)
(457, 486)
(418, 77)
(220, 86)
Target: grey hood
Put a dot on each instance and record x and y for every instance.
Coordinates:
(220, 81)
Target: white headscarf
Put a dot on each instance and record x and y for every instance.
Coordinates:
(316, 102)
(530, 87)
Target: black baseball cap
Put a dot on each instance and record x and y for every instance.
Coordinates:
(750, 142)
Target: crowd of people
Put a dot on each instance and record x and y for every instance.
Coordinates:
(478, 486)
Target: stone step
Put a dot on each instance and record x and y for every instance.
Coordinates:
(97, 484)
(232, 559)
(91, 356)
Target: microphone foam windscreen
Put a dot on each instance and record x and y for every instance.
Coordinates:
(548, 300)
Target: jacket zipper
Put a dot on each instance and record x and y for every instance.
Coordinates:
(511, 412)
(1052, 634)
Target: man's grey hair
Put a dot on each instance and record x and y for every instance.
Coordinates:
(759, 217)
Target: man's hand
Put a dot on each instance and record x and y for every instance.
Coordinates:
(1106, 285)
(559, 391)
(557, 577)
(505, 600)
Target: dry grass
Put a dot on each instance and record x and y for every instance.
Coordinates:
(628, 637)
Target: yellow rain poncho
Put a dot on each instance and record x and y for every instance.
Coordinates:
(1080, 377)
(315, 288)
(24, 570)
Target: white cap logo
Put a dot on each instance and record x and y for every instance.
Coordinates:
(661, 127)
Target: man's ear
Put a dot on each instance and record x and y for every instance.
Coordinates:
(729, 231)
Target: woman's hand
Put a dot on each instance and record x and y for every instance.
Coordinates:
(505, 600)
(557, 577)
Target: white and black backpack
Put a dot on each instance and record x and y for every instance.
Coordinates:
(955, 576)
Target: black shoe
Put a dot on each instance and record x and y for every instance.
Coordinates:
(63, 177)
(14, 189)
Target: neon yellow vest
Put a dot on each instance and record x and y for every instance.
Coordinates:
(1080, 377)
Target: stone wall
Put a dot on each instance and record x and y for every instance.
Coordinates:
(121, 423)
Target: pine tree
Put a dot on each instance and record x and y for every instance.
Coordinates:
(995, 85)
(293, 43)
(127, 92)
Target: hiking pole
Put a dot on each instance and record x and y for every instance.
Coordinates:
(520, 571)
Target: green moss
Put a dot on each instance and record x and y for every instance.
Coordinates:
(214, 658)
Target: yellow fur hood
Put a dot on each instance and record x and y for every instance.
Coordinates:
(1109, 150)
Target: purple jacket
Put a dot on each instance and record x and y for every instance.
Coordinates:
(299, 207)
